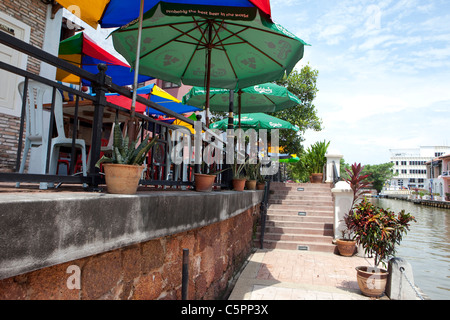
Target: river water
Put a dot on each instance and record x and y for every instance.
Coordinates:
(426, 246)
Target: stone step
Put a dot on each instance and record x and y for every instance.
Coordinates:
(293, 218)
(284, 186)
(293, 245)
(309, 238)
(303, 196)
(301, 212)
(304, 207)
(300, 216)
(323, 226)
(319, 230)
(292, 202)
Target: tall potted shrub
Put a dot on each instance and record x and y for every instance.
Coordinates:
(315, 160)
(358, 183)
(124, 169)
(378, 231)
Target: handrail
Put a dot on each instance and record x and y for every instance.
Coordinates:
(263, 211)
(336, 177)
(44, 56)
(101, 83)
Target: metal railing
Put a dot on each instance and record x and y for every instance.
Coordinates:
(336, 177)
(160, 171)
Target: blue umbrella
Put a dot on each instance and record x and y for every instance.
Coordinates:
(155, 94)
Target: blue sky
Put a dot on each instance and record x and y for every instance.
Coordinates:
(384, 72)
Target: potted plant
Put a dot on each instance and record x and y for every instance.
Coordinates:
(204, 182)
(358, 183)
(238, 175)
(251, 171)
(124, 168)
(316, 160)
(377, 230)
(260, 178)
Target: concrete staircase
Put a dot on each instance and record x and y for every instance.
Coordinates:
(299, 217)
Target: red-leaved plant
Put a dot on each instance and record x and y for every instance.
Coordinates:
(378, 230)
(359, 184)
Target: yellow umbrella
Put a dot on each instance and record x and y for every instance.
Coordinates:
(87, 10)
(179, 122)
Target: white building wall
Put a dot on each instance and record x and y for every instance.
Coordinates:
(410, 166)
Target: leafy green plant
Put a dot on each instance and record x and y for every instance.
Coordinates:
(378, 230)
(252, 171)
(238, 168)
(260, 178)
(125, 152)
(314, 158)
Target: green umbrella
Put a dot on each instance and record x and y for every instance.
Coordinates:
(266, 97)
(255, 121)
(290, 160)
(210, 46)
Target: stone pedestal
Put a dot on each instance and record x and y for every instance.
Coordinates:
(343, 197)
(398, 287)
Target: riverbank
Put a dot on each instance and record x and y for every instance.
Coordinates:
(426, 246)
(430, 203)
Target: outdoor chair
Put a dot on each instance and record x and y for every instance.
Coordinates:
(36, 135)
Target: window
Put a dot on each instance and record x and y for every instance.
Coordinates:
(404, 171)
(168, 85)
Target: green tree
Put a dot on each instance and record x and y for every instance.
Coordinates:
(379, 173)
(303, 84)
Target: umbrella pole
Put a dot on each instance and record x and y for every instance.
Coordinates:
(239, 106)
(208, 75)
(230, 111)
(132, 126)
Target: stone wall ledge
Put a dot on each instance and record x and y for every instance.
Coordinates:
(39, 230)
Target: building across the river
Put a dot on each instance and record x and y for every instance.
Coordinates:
(410, 165)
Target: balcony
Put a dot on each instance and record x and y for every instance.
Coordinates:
(77, 221)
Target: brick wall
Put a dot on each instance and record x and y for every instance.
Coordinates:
(32, 13)
(150, 270)
(9, 140)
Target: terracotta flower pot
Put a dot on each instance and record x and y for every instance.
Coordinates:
(371, 281)
(250, 184)
(204, 182)
(346, 247)
(122, 178)
(238, 184)
(316, 177)
(260, 186)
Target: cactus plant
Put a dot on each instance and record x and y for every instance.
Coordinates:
(125, 152)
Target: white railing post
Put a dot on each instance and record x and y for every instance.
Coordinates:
(343, 198)
(333, 159)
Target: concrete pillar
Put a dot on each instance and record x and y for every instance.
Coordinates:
(398, 287)
(343, 197)
(333, 159)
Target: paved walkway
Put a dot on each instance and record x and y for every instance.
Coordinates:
(299, 275)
